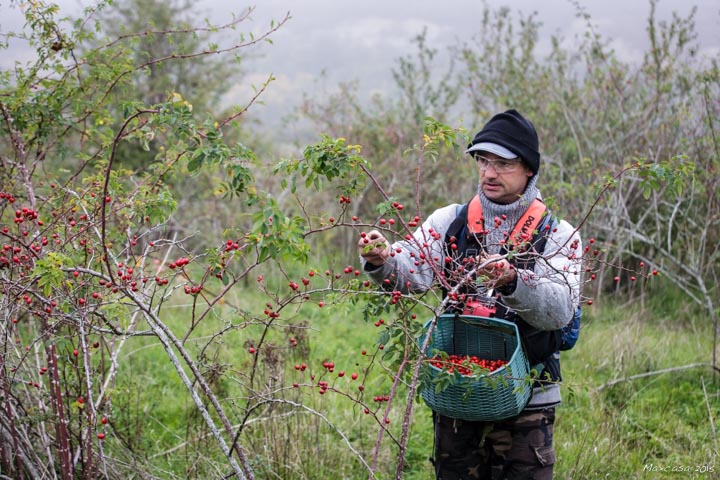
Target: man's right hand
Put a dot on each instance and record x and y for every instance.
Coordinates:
(374, 248)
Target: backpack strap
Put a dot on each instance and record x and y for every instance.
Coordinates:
(475, 221)
(522, 232)
(458, 225)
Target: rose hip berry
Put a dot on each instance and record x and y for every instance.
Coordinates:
(463, 364)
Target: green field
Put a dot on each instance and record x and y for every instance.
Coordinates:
(643, 427)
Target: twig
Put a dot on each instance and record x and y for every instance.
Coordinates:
(406, 420)
(710, 414)
(653, 373)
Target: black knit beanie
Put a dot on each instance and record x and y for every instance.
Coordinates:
(514, 132)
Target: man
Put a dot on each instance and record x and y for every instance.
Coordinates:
(539, 291)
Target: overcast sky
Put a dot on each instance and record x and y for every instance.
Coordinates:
(361, 39)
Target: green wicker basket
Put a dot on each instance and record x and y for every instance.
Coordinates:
(497, 395)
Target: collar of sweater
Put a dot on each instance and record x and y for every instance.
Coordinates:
(498, 231)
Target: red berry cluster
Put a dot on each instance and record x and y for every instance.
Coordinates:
(179, 263)
(396, 296)
(192, 290)
(323, 386)
(463, 364)
(7, 196)
(349, 269)
(26, 214)
(269, 310)
(231, 245)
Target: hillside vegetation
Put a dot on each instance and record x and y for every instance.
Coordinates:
(179, 300)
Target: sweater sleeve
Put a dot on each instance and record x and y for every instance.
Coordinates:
(414, 262)
(547, 296)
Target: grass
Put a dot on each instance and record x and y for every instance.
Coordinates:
(602, 430)
(662, 419)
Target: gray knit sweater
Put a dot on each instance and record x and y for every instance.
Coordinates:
(545, 297)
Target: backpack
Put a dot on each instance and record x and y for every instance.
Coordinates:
(571, 331)
(533, 228)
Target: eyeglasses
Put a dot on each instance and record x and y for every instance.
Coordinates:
(500, 165)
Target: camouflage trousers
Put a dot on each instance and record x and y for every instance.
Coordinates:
(513, 449)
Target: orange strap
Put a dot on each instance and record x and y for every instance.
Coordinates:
(523, 230)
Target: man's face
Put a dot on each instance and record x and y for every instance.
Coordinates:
(505, 186)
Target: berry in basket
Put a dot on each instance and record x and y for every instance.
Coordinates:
(464, 364)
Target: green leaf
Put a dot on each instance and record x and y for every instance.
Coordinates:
(49, 273)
